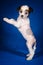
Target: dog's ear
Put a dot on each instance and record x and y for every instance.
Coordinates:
(30, 9)
(18, 8)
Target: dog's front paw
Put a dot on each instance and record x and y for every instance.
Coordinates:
(8, 20)
(5, 19)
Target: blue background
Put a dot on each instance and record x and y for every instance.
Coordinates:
(13, 48)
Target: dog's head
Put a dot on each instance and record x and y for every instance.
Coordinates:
(24, 11)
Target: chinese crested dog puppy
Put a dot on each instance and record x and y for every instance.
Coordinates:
(23, 25)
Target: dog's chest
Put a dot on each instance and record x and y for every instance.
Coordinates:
(24, 27)
(24, 24)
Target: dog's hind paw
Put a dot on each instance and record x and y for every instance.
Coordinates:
(28, 58)
(28, 55)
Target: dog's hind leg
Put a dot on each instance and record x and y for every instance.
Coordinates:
(31, 51)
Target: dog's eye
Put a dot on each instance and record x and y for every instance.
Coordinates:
(25, 12)
(21, 11)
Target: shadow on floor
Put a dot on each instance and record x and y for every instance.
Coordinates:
(13, 51)
(38, 54)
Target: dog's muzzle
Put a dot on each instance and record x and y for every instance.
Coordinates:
(22, 16)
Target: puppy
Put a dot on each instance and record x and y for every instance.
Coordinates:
(23, 25)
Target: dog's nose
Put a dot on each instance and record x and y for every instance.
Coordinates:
(22, 16)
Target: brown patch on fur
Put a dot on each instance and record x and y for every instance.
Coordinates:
(30, 9)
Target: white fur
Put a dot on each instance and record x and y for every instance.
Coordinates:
(23, 25)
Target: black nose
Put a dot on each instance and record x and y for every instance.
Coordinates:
(22, 16)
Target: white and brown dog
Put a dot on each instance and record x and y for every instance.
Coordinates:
(23, 25)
